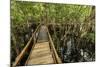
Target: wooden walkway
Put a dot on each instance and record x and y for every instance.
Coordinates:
(43, 50)
(41, 54)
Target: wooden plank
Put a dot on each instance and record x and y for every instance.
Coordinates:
(20, 56)
(41, 54)
(46, 59)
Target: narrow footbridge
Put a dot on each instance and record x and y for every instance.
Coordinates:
(40, 49)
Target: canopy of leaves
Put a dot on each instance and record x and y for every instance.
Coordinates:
(59, 13)
(23, 12)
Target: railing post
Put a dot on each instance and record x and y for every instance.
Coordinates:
(20, 56)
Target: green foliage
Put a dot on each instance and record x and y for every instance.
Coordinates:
(91, 36)
(22, 12)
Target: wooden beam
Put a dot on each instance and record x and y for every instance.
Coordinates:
(58, 60)
(20, 56)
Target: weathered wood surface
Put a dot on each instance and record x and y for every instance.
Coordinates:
(43, 35)
(41, 54)
(43, 50)
(20, 56)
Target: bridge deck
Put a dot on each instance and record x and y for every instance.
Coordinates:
(43, 50)
(41, 54)
(43, 35)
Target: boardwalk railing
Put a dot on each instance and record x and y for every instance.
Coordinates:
(31, 41)
(55, 55)
(35, 39)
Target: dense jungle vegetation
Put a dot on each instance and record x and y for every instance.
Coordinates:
(72, 28)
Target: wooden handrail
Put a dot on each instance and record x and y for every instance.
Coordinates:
(58, 60)
(20, 56)
(34, 43)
